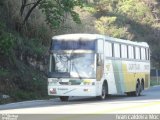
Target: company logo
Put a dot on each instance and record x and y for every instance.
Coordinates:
(62, 89)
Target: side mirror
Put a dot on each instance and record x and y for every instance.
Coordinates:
(99, 59)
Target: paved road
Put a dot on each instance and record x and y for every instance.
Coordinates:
(149, 102)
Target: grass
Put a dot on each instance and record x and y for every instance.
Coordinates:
(154, 81)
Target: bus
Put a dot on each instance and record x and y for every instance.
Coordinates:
(97, 65)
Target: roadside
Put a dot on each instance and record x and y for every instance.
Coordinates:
(150, 95)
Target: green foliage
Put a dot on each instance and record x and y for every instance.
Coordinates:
(107, 25)
(6, 41)
(24, 95)
(1, 2)
(89, 8)
(34, 47)
(134, 9)
(128, 13)
(102, 23)
(107, 5)
(137, 20)
(56, 11)
(33, 87)
(29, 48)
(154, 81)
(3, 72)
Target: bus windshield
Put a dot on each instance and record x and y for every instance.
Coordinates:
(78, 65)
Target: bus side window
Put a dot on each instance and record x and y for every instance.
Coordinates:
(143, 54)
(146, 51)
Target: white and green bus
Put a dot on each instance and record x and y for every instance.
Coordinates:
(97, 65)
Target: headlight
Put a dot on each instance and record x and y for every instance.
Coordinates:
(88, 82)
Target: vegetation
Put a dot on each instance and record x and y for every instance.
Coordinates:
(154, 81)
(55, 10)
(136, 20)
(26, 27)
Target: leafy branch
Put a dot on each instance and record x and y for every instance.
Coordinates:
(54, 10)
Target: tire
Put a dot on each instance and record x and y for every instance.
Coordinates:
(64, 98)
(129, 93)
(104, 92)
(142, 86)
(138, 90)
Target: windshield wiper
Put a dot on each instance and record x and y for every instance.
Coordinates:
(77, 71)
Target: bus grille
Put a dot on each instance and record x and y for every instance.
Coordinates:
(69, 83)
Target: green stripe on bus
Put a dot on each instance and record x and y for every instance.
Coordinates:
(119, 80)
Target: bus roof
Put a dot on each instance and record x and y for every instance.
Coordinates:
(83, 36)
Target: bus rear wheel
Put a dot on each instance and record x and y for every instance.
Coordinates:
(142, 86)
(64, 98)
(138, 90)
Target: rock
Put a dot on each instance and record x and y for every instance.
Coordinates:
(5, 96)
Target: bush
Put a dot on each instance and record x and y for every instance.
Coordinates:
(3, 72)
(6, 41)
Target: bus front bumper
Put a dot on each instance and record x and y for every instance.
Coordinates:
(71, 90)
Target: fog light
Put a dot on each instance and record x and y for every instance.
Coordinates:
(85, 90)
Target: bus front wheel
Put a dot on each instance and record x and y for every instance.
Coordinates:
(104, 92)
(64, 98)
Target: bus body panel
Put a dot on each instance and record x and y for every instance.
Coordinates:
(72, 90)
(109, 76)
(125, 75)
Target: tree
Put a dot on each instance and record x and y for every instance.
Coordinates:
(54, 10)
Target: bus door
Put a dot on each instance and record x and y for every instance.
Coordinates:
(100, 64)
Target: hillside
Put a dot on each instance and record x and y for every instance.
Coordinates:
(25, 38)
(136, 20)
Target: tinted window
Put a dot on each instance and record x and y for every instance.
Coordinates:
(73, 45)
